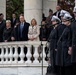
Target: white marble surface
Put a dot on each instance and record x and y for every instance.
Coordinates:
(49, 4)
(8, 71)
(33, 9)
(3, 7)
(22, 71)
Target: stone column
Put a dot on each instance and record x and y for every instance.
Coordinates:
(75, 2)
(49, 4)
(3, 7)
(33, 9)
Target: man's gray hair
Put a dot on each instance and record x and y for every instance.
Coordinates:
(8, 21)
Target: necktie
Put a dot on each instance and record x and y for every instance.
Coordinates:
(13, 20)
(21, 29)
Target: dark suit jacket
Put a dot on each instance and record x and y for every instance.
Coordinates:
(2, 26)
(43, 34)
(13, 23)
(16, 32)
(7, 34)
(60, 28)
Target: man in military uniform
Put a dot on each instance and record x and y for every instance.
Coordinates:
(52, 41)
(59, 30)
(73, 55)
(66, 39)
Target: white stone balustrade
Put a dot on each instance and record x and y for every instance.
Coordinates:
(36, 55)
(6, 55)
(28, 54)
(22, 54)
(9, 54)
(2, 55)
(44, 55)
(15, 55)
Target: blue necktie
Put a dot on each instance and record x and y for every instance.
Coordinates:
(13, 20)
(21, 29)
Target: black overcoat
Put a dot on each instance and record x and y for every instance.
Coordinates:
(66, 43)
(60, 30)
(73, 57)
(52, 44)
(16, 32)
(7, 34)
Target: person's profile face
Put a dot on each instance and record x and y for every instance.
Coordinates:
(50, 13)
(13, 15)
(58, 8)
(43, 23)
(74, 14)
(66, 22)
(62, 17)
(1, 17)
(54, 22)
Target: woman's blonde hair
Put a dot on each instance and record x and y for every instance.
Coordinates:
(34, 20)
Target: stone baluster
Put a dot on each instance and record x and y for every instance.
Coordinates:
(28, 55)
(44, 54)
(75, 2)
(36, 55)
(15, 55)
(6, 55)
(22, 55)
(10, 55)
(2, 55)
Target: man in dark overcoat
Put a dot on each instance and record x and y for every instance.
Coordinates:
(21, 30)
(52, 41)
(2, 26)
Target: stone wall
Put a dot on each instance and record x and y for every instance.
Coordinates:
(35, 8)
(3, 7)
(49, 4)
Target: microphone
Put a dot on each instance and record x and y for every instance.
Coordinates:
(51, 24)
(44, 24)
(55, 24)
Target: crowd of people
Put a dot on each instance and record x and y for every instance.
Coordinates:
(59, 29)
(18, 29)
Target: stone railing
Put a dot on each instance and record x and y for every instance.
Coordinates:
(22, 54)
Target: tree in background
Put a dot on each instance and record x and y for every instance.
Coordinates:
(67, 5)
(14, 6)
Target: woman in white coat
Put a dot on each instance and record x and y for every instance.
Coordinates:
(33, 33)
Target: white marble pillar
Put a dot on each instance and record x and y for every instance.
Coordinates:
(75, 2)
(3, 7)
(49, 4)
(33, 9)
